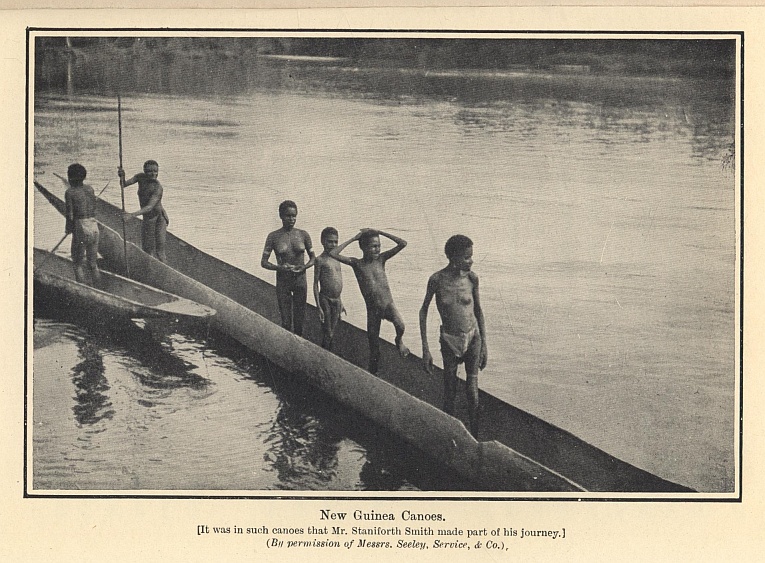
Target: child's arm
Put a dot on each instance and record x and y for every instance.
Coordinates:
(69, 227)
(481, 324)
(125, 183)
(266, 263)
(427, 359)
(335, 252)
(156, 197)
(318, 264)
(311, 256)
(400, 245)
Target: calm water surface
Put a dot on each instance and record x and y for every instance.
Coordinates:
(604, 231)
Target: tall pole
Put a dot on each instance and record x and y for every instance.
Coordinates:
(122, 185)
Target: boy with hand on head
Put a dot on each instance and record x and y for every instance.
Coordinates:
(327, 286)
(463, 332)
(80, 221)
(373, 283)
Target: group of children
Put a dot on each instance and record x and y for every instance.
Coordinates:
(455, 287)
(80, 201)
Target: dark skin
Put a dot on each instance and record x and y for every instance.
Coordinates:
(459, 304)
(373, 283)
(290, 245)
(328, 283)
(153, 227)
(80, 202)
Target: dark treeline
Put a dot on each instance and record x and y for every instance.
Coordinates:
(657, 57)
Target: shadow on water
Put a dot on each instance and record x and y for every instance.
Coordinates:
(91, 401)
(306, 435)
(151, 348)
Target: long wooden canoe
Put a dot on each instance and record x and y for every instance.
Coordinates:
(115, 296)
(521, 452)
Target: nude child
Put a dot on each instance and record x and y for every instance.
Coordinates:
(373, 283)
(327, 287)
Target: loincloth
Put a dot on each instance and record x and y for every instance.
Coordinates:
(462, 346)
(86, 230)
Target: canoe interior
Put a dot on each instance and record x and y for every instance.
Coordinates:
(553, 447)
(116, 285)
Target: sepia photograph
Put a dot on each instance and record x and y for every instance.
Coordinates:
(430, 265)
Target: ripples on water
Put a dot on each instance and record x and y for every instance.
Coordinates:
(150, 408)
(604, 226)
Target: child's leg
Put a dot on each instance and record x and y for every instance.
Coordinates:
(326, 332)
(78, 257)
(92, 255)
(472, 360)
(450, 379)
(471, 387)
(147, 235)
(373, 333)
(398, 323)
(299, 293)
(284, 299)
(160, 238)
(332, 317)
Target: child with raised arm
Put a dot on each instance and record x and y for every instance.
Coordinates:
(463, 333)
(373, 283)
(155, 219)
(327, 286)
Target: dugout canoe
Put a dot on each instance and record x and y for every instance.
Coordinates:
(55, 285)
(519, 451)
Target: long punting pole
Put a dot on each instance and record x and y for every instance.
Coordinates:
(122, 185)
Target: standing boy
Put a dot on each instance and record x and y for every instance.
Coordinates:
(463, 333)
(80, 221)
(327, 286)
(155, 219)
(373, 283)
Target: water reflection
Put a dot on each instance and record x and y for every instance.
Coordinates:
(92, 404)
(701, 108)
(301, 449)
(153, 343)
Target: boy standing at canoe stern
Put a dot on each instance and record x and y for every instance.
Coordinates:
(463, 332)
(373, 283)
(327, 287)
(155, 219)
(81, 223)
(290, 245)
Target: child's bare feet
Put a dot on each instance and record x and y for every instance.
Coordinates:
(402, 349)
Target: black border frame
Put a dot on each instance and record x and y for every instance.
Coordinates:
(334, 497)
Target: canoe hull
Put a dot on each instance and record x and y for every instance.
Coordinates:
(57, 288)
(523, 452)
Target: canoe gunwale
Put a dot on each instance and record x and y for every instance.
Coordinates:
(172, 305)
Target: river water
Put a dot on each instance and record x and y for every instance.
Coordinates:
(605, 241)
